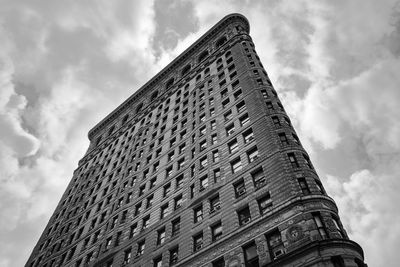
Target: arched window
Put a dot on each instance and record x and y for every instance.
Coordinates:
(139, 108)
(203, 55)
(154, 95)
(198, 77)
(186, 69)
(227, 54)
(98, 140)
(207, 71)
(220, 41)
(219, 61)
(169, 83)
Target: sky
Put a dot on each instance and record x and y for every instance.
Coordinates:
(65, 65)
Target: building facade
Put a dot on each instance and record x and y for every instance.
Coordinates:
(200, 167)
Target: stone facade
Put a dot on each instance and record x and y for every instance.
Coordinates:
(200, 167)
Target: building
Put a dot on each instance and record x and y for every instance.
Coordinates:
(200, 167)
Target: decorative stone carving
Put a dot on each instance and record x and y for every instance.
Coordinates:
(233, 261)
(294, 233)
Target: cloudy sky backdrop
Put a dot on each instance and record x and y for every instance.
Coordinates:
(64, 65)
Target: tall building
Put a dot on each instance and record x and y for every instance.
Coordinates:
(200, 167)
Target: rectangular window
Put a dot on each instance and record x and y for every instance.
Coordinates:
(233, 146)
(244, 120)
(283, 139)
(215, 204)
(240, 188)
(252, 154)
(275, 244)
(213, 139)
(320, 226)
(149, 201)
(197, 242)
(133, 230)
(293, 160)
(213, 125)
(181, 163)
(127, 256)
(203, 145)
(173, 256)
(203, 162)
(157, 262)
(179, 181)
(228, 115)
(244, 215)
(217, 175)
(259, 178)
(236, 165)
(167, 189)
(250, 255)
(303, 186)
(160, 236)
(230, 129)
(198, 214)
(215, 156)
(203, 183)
(178, 202)
(276, 121)
(140, 250)
(264, 203)
(216, 231)
(219, 262)
(164, 211)
(241, 107)
(176, 226)
(145, 222)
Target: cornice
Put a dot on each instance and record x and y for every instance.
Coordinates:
(177, 62)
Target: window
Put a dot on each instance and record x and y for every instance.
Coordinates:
(228, 115)
(250, 255)
(182, 148)
(215, 156)
(308, 161)
(179, 181)
(203, 162)
(225, 103)
(237, 94)
(244, 215)
(236, 165)
(240, 188)
(217, 175)
(203, 145)
(303, 186)
(138, 208)
(215, 204)
(145, 222)
(213, 125)
(140, 250)
(283, 139)
(178, 202)
(181, 163)
(224, 93)
(264, 203)
(168, 172)
(141, 190)
(240, 107)
(320, 226)
(216, 231)
(259, 178)
(197, 242)
(198, 214)
(219, 263)
(320, 187)
(244, 120)
(230, 130)
(133, 230)
(114, 222)
(153, 182)
(160, 236)
(127, 256)
(269, 105)
(252, 154)
(149, 201)
(275, 244)
(276, 121)
(233, 146)
(176, 226)
(202, 131)
(157, 262)
(173, 256)
(164, 211)
(293, 160)
(203, 183)
(167, 189)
